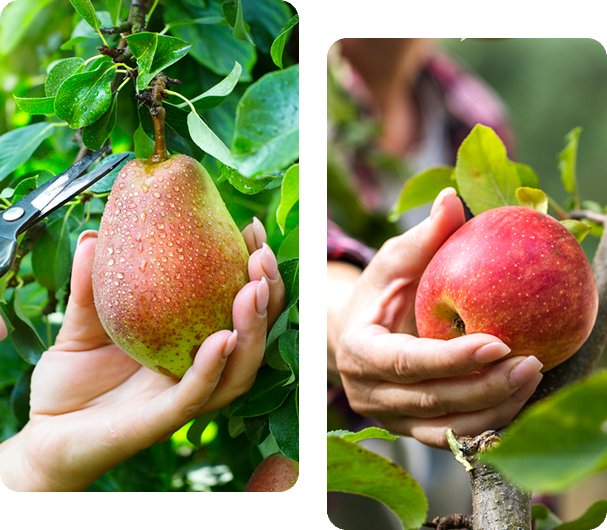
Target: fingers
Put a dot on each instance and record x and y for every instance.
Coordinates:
(433, 431)
(250, 317)
(263, 264)
(375, 353)
(470, 393)
(182, 402)
(81, 329)
(406, 256)
(254, 235)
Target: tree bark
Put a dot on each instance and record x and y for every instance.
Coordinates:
(496, 503)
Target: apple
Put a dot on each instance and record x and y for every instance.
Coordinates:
(517, 274)
(275, 473)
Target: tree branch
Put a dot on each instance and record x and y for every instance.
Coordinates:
(496, 503)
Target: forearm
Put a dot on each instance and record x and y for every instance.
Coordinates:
(341, 280)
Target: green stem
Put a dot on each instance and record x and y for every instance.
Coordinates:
(184, 98)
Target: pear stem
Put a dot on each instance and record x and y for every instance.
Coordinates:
(158, 113)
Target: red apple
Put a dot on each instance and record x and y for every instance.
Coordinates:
(517, 274)
(275, 473)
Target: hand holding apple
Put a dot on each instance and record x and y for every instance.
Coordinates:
(515, 273)
(414, 386)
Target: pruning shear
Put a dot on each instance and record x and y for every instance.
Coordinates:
(45, 200)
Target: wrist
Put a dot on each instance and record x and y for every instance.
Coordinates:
(18, 472)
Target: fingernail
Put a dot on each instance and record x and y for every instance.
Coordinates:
(491, 352)
(262, 297)
(527, 390)
(440, 199)
(524, 371)
(230, 344)
(269, 263)
(259, 233)
(85, 235)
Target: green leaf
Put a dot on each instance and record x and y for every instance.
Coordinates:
(20, 397)
(486, 178)
(25, 338)
(199, 425)
(87, 12)
(4, 316)
(59, 72)
(557, 442)
(95, 135)
(422, 188)
(83, 98)
(218, 93)
(215, 48)
(354, 469)
(16, 21)
(567, 161)
(266, 136)
(52, 256)
(289, 271)
(143, 145)
(278, 45)
(267, 394)
(528, 177)
(256, 428)
(243, 184)
(532, 198)
(17, 146)
(579, 229)
(24, 187)
(284, 426)
(289, 195)
(36, 105)
(544, 519)
(155, 53)
(289, 248)
(113, 7)
(232, 10)
(365, 434)
(83, 31)
(288, 346)
(207, 140)
(593, 518)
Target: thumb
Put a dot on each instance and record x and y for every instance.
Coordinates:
(405, 257)
(81, 329)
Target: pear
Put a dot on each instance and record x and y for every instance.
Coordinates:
(275, 473)
(169, 262)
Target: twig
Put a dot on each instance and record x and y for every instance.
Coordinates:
(596, 217)
(450, 521)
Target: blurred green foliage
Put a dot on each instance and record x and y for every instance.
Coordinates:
(549, 86)
(34, 34)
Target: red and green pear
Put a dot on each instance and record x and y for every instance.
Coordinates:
(168, 264)
(275, 473)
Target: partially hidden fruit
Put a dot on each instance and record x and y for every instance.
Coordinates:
(168, 264)
(275, 473)
(514, 273)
